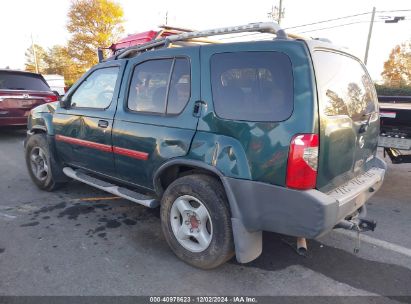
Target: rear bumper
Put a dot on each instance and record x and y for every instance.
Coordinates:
(13, 121)
(394, 142)
(309, 213)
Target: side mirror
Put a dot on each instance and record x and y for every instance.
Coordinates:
(64, 102)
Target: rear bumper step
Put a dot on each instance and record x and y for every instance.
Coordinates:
(111, 188)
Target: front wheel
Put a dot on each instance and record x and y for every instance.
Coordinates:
(38, 161)
(196, 221)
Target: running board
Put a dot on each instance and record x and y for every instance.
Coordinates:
(113, 189)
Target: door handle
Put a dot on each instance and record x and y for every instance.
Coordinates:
(197, 108)
(103, 123)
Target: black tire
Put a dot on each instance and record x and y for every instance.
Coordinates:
(38, 142)
(210, 192)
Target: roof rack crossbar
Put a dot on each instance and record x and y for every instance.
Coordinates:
(262, 27)
(181, 29)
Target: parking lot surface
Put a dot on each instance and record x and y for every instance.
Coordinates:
(81, 241)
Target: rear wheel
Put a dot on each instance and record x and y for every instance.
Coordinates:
(196, 221)
(38, 162)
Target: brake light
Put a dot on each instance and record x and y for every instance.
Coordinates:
(302, 162)
(51, 98)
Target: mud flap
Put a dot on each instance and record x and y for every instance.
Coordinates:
(248, 245)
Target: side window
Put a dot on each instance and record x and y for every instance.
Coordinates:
(344, 86)
(252, 86)
(148, 89)
(97, 90)
(152, 91)
(179, 87)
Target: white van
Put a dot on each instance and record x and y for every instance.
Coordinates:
(56, 83)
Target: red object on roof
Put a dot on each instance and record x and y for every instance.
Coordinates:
(139, 38)
(133, 39)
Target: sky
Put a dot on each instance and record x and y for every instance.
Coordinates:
(45, 21)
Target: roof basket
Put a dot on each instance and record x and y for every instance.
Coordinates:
(261, 27)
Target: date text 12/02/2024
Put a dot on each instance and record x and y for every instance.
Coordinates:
(204, 299)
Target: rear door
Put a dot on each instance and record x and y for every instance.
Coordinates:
(156, 120)
(83, 130)
(349, 122)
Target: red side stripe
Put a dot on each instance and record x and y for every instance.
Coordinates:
(84, 143)
(102, 147)
(131, 153)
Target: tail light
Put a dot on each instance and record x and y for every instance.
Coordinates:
(302, 162)
(51, 98)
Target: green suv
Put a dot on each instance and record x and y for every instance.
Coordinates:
(229, 139)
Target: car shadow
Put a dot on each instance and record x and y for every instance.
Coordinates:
(375, 277)
(12, 132)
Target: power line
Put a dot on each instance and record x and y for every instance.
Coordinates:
(395, 11)
(345, 17)
(345, 24)
(335, 26)
(329, 20)
(324, 21)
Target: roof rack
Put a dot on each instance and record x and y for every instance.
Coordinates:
(261, 27)
(175, 28)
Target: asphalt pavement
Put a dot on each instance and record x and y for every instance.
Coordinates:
(81, 241)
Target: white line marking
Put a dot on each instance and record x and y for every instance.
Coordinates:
(377, 242)
(8, 216)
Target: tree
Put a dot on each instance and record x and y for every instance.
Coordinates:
(40, 56)
(56, 60)
(59, 62)
(397, 69)
(92, 24)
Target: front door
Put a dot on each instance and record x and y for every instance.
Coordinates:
(83, 130)
(156, 120)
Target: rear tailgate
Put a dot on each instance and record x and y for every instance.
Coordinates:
(349, 121)
(395, 123)
(15, 103)
(21, 91)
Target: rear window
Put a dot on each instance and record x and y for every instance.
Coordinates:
(20, 81)
(344, 86)
(252, 86)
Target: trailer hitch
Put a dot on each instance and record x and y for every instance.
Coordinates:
(358, 225)
(366, 225)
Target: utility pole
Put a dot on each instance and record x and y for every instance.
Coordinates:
(34, 54)
(276, 13)
(369, 36)
(280, 12)
(166, 17)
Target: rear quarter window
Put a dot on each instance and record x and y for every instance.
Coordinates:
(21, 81)
(344, 87)
(252, 86)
